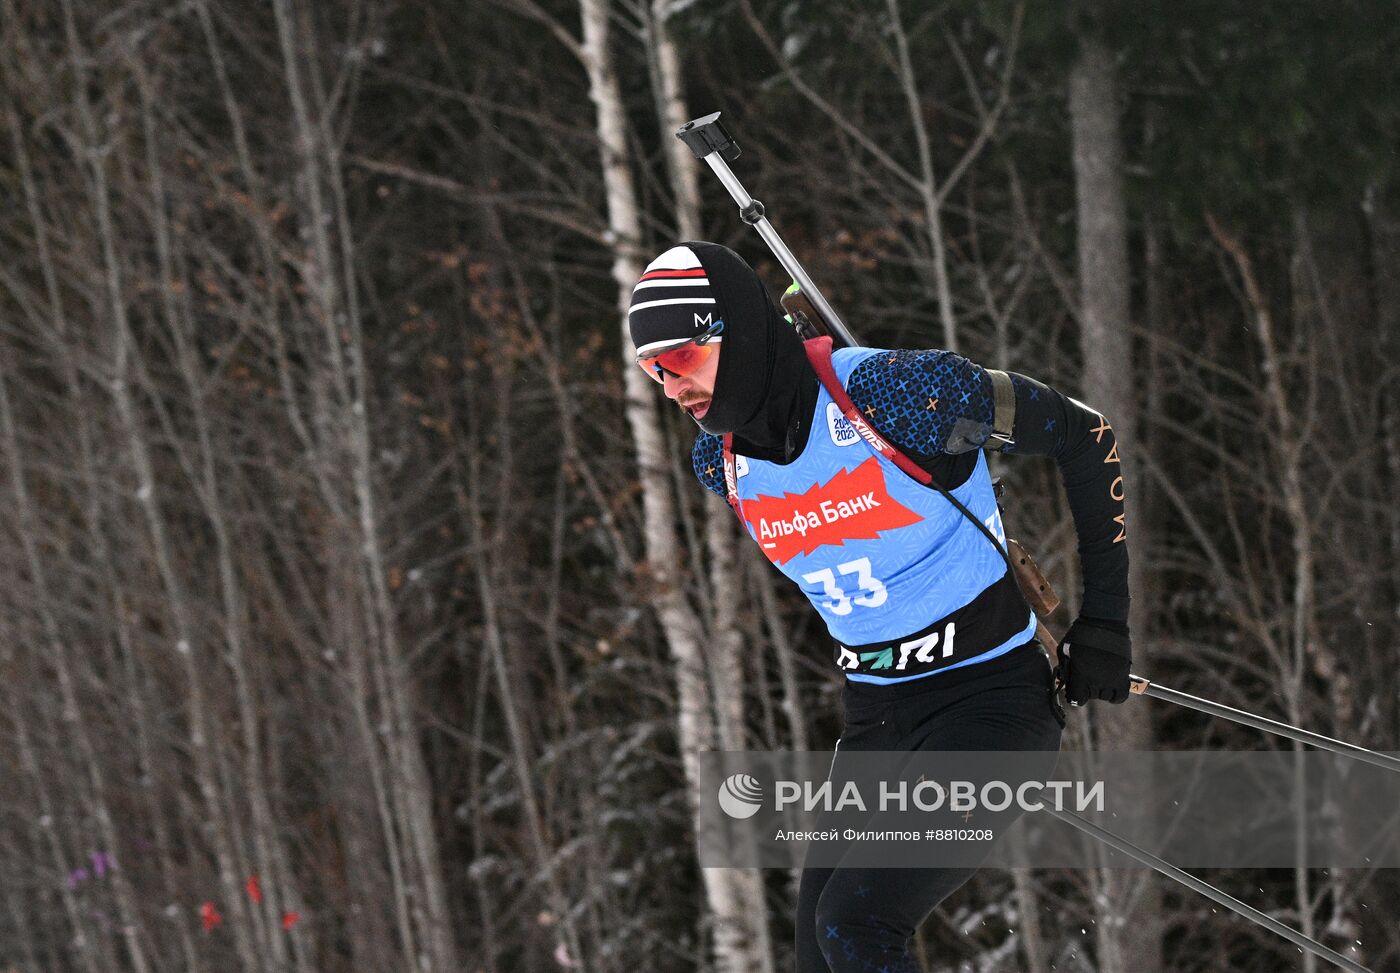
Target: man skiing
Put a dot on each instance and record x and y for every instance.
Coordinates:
(812, 449)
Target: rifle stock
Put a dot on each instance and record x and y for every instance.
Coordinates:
(805, 316)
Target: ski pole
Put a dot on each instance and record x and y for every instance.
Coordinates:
(708, 140)
(1145, 687)
(1209, 891)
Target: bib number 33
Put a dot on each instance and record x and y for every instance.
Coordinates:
(872, 593)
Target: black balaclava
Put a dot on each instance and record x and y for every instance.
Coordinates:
(765, 390)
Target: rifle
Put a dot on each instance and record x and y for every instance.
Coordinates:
(812, 315)
(808, 309)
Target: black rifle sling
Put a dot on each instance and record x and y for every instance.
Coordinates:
(1004, 410)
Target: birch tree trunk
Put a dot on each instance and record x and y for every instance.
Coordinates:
(727, 643)
(740, 932)
(329, 270)
(1129, 924)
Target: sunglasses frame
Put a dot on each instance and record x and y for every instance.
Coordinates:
(657, 371)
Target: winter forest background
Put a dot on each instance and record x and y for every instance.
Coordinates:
(360, 612)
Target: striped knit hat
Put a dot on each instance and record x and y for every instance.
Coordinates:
(672, 302)
(763, 378)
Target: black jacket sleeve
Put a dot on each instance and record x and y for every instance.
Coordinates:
(1049, 423)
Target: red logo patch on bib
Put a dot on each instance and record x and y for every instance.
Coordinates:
(854, 505)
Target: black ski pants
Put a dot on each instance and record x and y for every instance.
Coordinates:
(861, 920)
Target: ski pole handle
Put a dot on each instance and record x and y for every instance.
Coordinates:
(708, 140)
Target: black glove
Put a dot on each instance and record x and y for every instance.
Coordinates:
(1095, 657)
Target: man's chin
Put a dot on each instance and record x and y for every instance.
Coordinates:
(711, 422)
(707, 417)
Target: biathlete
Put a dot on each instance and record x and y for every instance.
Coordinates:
(932, 634)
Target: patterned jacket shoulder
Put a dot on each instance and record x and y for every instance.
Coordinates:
(916, 397)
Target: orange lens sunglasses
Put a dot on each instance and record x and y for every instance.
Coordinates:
(683, 359)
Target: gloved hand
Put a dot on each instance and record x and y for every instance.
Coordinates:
(1095, 656)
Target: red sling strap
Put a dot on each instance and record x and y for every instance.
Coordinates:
(819, 355)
